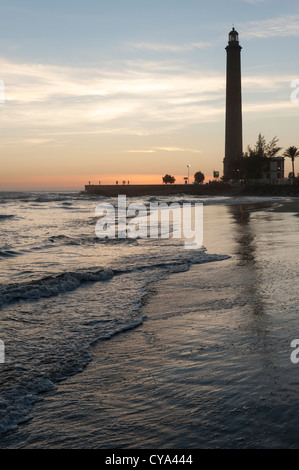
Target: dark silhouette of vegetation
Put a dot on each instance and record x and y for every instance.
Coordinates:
(199, 177)
(255, 162)
(292, 152)
(168, 179)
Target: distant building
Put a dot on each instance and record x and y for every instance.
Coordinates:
(275, 169)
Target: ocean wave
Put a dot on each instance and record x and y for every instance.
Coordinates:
(51, 285)
(64, 240)
(8, 253)
(57, 363)
(212, 200)
(50, 198)
(40, 197)
(16, 404)
(86, 240)
(16, 401)
(6, 216)
(6, 196)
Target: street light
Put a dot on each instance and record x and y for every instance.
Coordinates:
(188, 166)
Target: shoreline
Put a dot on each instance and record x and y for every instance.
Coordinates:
(291, 205)
(142, 383)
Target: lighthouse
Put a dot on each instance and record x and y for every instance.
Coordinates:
(233, 123)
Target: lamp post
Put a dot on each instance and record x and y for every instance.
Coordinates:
(188, 166)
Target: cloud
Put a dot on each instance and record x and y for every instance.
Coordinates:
(165, 149)
(57, 97)
(162, 47)
(254, 2)
(178, 149)
(136, 98)
(140, 151)
(282, 26)
(36, 141)
(268, 108)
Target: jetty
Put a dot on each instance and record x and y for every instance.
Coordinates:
(132, 190)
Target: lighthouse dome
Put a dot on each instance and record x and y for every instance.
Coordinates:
(233, 36)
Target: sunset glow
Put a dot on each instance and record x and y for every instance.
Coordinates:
(116, 102)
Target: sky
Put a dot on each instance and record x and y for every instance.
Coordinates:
(134, 89)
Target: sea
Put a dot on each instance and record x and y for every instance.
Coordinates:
(63, 289)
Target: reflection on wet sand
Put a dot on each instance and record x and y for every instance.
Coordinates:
(246, 254)
(244, 236)
(257, 318)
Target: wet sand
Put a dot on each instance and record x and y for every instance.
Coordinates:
(209, 367)
(289, 205)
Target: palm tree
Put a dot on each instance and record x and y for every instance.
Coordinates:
(292, 152)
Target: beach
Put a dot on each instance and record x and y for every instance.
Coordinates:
(209, 366)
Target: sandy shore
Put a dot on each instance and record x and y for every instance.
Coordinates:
(209, 367)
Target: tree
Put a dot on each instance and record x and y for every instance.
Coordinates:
(262, 149)
(292, 152)
(168, 179)
(254, 165)
(199, 177)
(272, 149)
(255, 162)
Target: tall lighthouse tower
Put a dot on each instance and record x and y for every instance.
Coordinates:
(233, 125)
